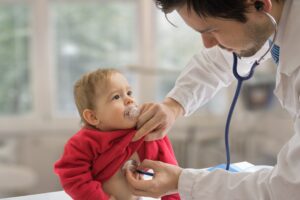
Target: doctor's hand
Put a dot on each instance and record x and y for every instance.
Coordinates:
(164, 182)
(157, 118)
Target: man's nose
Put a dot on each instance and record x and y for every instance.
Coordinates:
(209, 40)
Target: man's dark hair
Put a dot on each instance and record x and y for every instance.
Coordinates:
(227, 9)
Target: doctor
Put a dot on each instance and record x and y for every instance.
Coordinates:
(239, 26)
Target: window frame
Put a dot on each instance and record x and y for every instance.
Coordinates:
(42, 69)
(43, 119)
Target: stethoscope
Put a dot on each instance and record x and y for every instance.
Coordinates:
(240, 80)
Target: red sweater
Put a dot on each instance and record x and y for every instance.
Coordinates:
(91, 157)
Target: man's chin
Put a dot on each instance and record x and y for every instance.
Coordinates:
(249, 52)
(246, 54)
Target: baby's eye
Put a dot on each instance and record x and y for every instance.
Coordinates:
(129, 93)
(116, 97)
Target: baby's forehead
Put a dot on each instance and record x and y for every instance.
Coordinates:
(113, 82)
(103, 86)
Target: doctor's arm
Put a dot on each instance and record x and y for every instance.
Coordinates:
(203, 77)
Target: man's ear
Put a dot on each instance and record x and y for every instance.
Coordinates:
(90, 117)
(262, 5)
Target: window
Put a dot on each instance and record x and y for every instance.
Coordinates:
(46, 45)
(175, 47)
(89, 35)
(15, 87)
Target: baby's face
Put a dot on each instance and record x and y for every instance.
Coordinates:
(112, 105)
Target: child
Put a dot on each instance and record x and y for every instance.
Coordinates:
(91, 165)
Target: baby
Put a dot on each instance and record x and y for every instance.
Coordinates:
(91, 165)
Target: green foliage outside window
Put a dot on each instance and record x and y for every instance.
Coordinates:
(15, 94)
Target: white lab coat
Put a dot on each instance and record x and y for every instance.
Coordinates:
(203, 77)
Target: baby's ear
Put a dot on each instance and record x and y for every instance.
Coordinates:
(90, 117)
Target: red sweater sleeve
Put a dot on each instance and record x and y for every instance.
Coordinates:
(74, 171)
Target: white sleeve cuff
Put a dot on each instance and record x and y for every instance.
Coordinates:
(187, 181)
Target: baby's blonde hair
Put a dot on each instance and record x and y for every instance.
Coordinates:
(85, 89)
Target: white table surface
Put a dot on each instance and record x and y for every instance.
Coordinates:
(60, 195)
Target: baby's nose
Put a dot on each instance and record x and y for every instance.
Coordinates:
(128, 101)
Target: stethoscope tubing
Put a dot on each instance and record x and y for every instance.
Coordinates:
(240, 80)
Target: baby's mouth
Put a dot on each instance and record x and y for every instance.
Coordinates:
(131, 112)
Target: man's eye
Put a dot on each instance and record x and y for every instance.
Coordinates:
(129, 93)
(116, 97)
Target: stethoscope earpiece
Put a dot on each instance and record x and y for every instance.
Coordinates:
(259, 5)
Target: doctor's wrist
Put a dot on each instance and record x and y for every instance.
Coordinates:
(176, 172)
(174, 106)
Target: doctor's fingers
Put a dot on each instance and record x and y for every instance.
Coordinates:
(141, 187)
(158, 133)
(149, 111)
(152, 164)
(147, 193)
(165, 179)
(151, 122)
(153, 128)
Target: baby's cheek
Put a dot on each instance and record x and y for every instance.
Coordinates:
(117, 114)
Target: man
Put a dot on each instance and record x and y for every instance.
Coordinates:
(240, 26)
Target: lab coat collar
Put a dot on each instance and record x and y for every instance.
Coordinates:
(288, 31)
